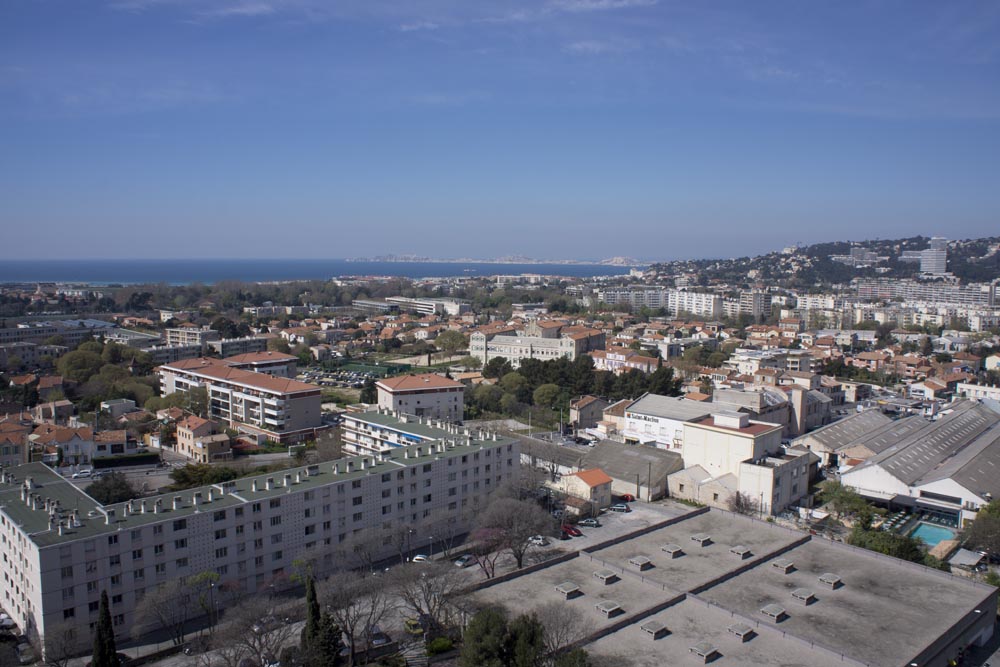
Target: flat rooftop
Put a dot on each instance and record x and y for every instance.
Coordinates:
(883, 611)
(699, 564)
(692, 621)
(880, 615)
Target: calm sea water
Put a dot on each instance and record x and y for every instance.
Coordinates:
(185, 271)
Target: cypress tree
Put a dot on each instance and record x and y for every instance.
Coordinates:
(311, 631)
(104, 637)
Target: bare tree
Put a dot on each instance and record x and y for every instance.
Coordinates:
(168, 608)
(428, 591)
(254, 631)
(743, 503)
(487, 547)
(564, 626)
(514, 522)
(62, 642)
(356, 605)
(360, 551)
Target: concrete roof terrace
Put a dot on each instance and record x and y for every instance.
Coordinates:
(885, 611)
(692, 621)
(700, 564)
(530, 593)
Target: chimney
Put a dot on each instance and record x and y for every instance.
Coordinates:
(126, 508)
(158, 506)
(61, 528)
(406, 453)
(196, 499)
(29, 482)
(253, 486)
(109, 517)
(177, 502)
(144, 509)
(350, 466)
(419, 452)
(269, 484)
(336, 468)
(52, 523)
(211, 495)
(75, 517)
(288, 480)
(364, 463)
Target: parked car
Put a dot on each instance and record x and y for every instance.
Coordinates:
(420, 558)
(25, 654)
(628, 498)
(538, 541)
(266, 624)
(465, 561)
(620, 507)
(413, 626)
(197, 645)
(557, 514)
(589, 523)
(571, 530)
(82, 473)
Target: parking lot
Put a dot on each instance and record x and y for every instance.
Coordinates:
(341, 378)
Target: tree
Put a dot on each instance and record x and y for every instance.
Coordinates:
(310, 632)
(842, 499)
(662, 382)
(984, 533)
(743, 503)
(427, 592)
(564, 626)
(525, 641)
(104, 637)
(547, 395)
(61, 644)
(451, 342)
(166, 608)
(112, 488)
(356, 604)
(369, 392)
(197, 401)
(485, 640)
(79, 365)
(575, 658)
(497, 367)
(512, 523)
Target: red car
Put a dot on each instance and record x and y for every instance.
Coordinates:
(628, 498)
(572, 530)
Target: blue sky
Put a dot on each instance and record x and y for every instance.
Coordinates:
(555, 128)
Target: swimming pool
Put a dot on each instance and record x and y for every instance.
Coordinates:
(931, 534)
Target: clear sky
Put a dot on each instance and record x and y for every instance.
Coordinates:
(450, 128)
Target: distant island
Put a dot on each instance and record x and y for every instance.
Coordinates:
(513, 259)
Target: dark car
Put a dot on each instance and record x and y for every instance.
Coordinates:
(589, 523)
(620, 507)
(572, 530)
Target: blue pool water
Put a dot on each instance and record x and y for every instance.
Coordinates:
(932, 534)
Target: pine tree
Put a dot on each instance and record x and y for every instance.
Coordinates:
(485, 638)
(104, 637)
(525, 642)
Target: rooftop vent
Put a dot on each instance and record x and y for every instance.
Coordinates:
(672, 550)
(740, 551)
(654, 629)
(775, 612)
(742, 631)
(831, 580)
(606, 576)
(640, 563)
(786, 566)
(177, 504)
(703, 539)
(568, 590)
(804, 595)
(609, 608)
(704, 651)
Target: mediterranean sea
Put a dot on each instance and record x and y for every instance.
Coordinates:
(209, 271)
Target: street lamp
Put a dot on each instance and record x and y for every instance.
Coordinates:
(431, 541)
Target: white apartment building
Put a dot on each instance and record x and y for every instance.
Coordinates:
(701, 304)
(62, 549)
(430, 306)
(228, 347)
(978, 391)
(191, 336)
(659, 420)
(378, 431)
(426, 395)
(273, 408)
(569, 342)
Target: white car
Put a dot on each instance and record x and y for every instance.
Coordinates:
(82, 473)
(538, 541)
(420, 558)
